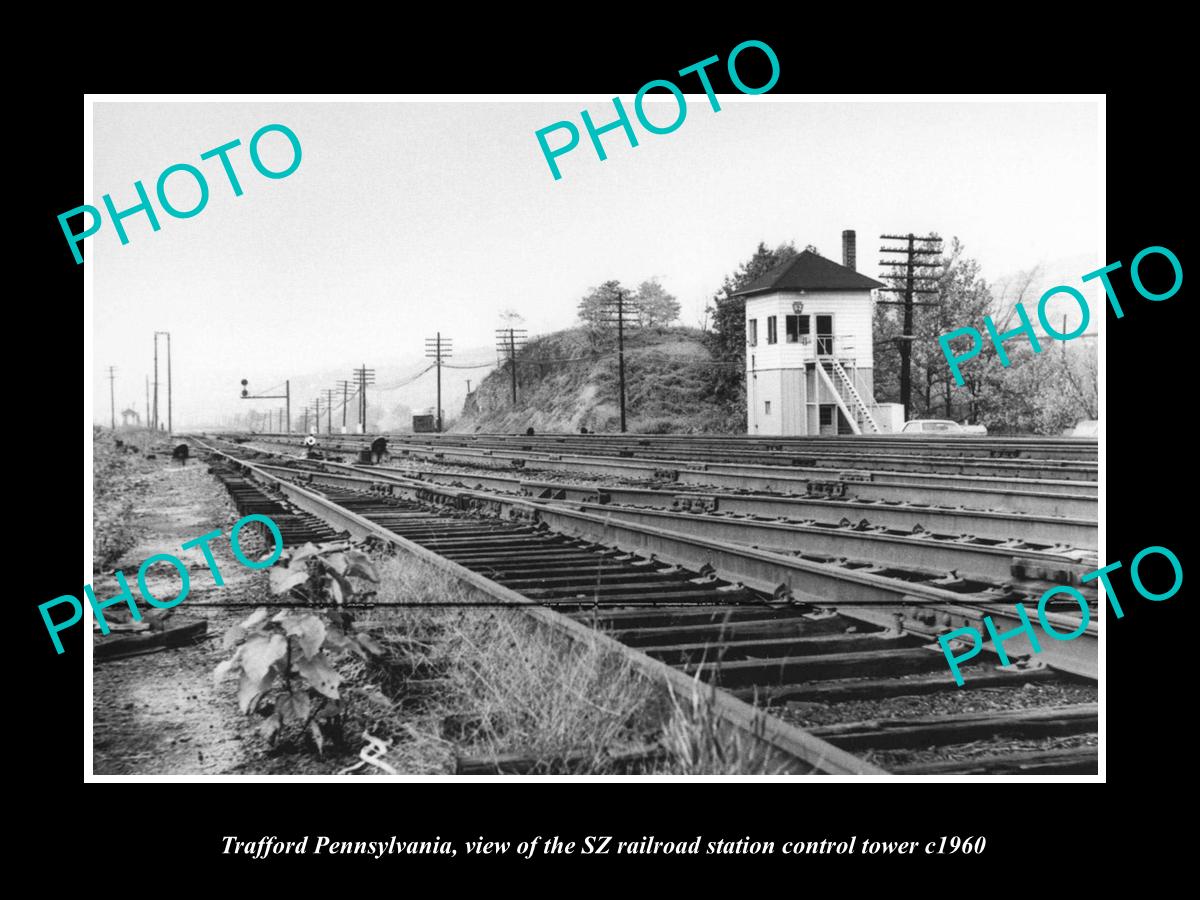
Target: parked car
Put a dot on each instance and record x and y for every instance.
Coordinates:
(1087, 428)
(932, 426)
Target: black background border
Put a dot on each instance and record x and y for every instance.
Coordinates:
(1147, 399)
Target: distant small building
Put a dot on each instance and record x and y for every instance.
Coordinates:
(130, 418)
(809, 353)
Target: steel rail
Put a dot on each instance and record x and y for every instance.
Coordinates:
(1024, 469)
(911, 453)
(985, 475)
(966, 504)
(971, 446)
(1043, 498)
(984, 561)
(1071, 499)
(617, 465)
(977, 446)
(930, 549)
(996, 524)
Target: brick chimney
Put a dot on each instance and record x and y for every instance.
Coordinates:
(848, 254)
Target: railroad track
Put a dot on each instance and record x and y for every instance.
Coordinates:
(879, 457)
(987, 513)
(912, 516)
(989, 447)
(1070, 499)
(827, 662)
(1057, 476)
(1036, 565)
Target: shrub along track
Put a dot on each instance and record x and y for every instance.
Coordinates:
(841, 651)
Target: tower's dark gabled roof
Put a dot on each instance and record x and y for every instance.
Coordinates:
(809, 272)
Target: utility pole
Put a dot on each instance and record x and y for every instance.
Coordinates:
(613, 306)
(345, 386)
(508, 341)
(512, 364)
(329, 410)
(438, 348)
(154, 426)
(363, 376)
(306, 420)
(147, 401)
(170, 428)
(112, 403)
(621, 351)
(912, 283)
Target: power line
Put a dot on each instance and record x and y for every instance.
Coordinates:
(407, 381)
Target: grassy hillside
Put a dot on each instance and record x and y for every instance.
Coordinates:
(568, 380)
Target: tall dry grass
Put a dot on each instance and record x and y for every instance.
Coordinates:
(483, 683)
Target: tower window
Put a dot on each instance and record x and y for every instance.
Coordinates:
(752, 332)
(767, 407)
(796, 326)
(772, 334)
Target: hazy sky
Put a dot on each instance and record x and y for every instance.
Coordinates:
(406, 218)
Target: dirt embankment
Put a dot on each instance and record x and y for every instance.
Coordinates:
(569, 380)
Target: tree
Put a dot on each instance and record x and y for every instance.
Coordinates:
(653, 306)
(727, 339)
(986, 379)
(1040, 393)
(598, 308)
